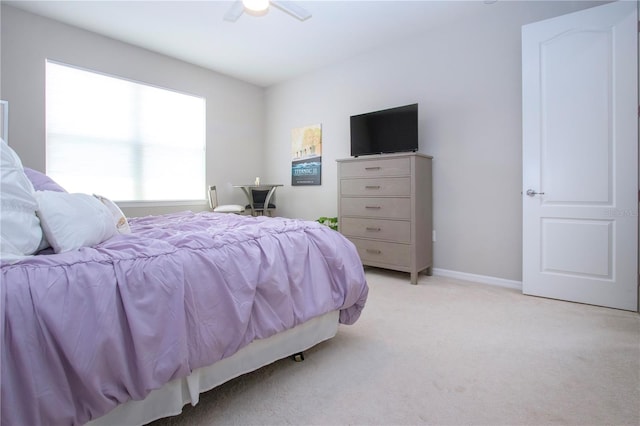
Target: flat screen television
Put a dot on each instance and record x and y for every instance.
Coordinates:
(385, 131)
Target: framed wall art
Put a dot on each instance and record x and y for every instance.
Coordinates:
(306, 155)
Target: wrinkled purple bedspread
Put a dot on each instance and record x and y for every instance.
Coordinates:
(87, 330)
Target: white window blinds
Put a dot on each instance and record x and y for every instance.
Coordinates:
(121, 139)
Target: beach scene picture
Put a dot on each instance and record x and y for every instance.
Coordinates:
(306, 155)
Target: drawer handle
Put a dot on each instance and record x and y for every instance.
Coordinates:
(372, 207)
(371, 228)
(374, 251)
(372, 168)
(372, 187)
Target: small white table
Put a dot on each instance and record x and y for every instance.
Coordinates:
(271, 187)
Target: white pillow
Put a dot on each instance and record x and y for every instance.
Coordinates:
(120, 220)
(71, 221)
(20, 232)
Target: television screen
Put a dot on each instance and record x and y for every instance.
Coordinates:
(386, 131)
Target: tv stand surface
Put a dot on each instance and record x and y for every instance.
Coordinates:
(386, 154)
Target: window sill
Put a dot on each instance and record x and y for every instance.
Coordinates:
(164, 203)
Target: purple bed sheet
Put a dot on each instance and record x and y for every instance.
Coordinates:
(87, 330)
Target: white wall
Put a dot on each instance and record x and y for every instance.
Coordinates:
(235, 109)
(466, 78)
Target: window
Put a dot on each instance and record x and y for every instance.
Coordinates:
(124, 140)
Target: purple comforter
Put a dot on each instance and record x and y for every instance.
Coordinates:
(87, 330)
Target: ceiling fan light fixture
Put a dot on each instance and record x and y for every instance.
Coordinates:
(256, 7)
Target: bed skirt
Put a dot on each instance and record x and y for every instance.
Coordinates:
(172, 397)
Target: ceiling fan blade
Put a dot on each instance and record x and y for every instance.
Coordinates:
(292, 9)
(234, 12)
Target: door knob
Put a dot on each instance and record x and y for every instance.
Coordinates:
(531, 193)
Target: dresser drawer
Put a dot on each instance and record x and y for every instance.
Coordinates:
(381, 229)
(376, 186)
(379, 252)
(390, 208)
(376, 168)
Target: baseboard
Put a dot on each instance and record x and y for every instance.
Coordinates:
(484, 279)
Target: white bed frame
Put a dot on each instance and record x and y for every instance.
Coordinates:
(172, 397)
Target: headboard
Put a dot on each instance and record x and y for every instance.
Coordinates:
(4, 120)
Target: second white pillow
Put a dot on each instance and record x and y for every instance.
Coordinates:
(120, 220)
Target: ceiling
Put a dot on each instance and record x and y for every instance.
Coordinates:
(262, 50)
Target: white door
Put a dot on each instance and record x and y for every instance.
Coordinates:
(580, 156)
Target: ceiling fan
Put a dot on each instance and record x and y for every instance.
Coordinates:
(261, 7)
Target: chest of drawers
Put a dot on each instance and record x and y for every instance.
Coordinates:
(385, 209)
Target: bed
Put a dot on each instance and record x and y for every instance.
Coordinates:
(134, 327)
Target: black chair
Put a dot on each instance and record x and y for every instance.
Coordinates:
(257, 208)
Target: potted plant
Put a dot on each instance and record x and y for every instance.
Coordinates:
(331, 222)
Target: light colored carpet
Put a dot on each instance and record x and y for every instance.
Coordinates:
(447, 352)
